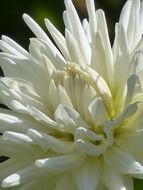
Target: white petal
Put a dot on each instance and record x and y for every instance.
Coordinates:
(82, 133)
(16, 137)
(53, 94)
(16, 46)
(125, 13)
(88, 176)
(75, 51)
(67, 21)
(133, 87)
(11, 121)
(68, 116)
(25, 175)
(121, 59)
(40, 116)
(64, 182)
(12, 180)
(78, 31)
(9, 49)
(122, 162)
(98, 112)
(87, 95)
(59, 39)
(102, 27)
(86, 29)
(130, 141)
(92, 16)
(89, 148)
(64, 99)
(61, 163)
(113, 181)
(36, 29)
(19, 149)
(48, 142)
(99, 84)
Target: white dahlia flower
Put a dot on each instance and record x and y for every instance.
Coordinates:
(75, 117)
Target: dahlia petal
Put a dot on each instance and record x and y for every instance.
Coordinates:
(85, 25)
(75, 104)
(128, 112)
(24, 176)
(13, 149)
(98, 111)
(79, 88)
(133, 32)
(48, 65)
(108, 129)
(67, 21)
(136, 59)
(58, 38)
(64, 99)
(122, 162)
(89, 148)
(92, 16)
(37, 52)
(13, 180)
(20, 69)
(130, 18)
(65, 115)
(16, 46)
(36, 29)
(10, 121)
(48, 142)
(98, 59)
(8, 49)
(53, 94)
(81, 132)
(42, 36)
(101, 88)
(125, 13)
(129, 182)
(38, 184)
(130, 141)
(117, 182)
(9, 118)
(84, 180)
(78, 32)
(17, 99)
(88, 96)
(40, 116)
(64, 182)
(133, 87)
(121, 58)
(141, 16)
(102, 27)
(61, 163)
(17, 137)
(57, 58)
(10, 166)
(74, 50)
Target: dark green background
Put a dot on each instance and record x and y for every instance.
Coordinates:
(12, 25)
(11, 22)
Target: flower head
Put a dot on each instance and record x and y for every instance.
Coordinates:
(75, 108)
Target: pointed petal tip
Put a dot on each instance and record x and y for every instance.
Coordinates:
(26, 17)
(3, 37)
(39, 163)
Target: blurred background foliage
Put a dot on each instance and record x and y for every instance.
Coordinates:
(12, 25)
